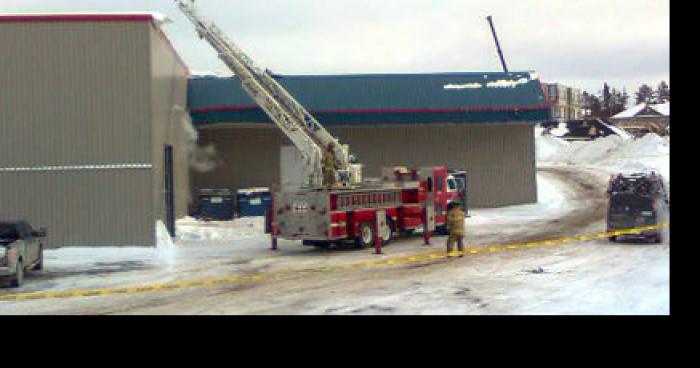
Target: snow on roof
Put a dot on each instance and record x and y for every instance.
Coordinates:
(208, 73)
(253, 190)
(663, 109)
(619, 131)
(629, 112)
(561, 130)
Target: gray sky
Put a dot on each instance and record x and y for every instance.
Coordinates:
(580, 43)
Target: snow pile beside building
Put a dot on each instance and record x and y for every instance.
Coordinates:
(166, 252)
(190, 229)
(612, 154)
(549, 146)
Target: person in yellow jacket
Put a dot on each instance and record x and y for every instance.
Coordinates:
(329, 167)
(455, 225)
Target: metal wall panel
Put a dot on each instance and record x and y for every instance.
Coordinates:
(170, 121)
(73, 94)
(82, 208)
(498, 157)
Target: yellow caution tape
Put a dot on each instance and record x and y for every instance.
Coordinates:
(254, 277)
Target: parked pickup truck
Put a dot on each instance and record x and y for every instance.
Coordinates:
(21, 248)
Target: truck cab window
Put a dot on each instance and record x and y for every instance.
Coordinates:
(8, 231)
(451, 185)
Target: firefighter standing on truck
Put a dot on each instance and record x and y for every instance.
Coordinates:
(455, 225)
(329, 167)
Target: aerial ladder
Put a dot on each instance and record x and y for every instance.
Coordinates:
(302, 129)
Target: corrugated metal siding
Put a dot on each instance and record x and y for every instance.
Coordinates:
(498, 157)
(77, 94)
(82, 208)
(73, 93)
(169, 108)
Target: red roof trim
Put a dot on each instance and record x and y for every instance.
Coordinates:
(76, 18)
(388, 111)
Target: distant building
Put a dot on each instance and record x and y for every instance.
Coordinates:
(645, 118)
(583, 130)
(565, 102)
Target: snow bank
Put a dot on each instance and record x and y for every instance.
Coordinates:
(166, 252)
(549, 146)
(552, 203)
(190, 229)
(611, 154)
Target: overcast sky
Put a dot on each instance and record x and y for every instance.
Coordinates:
(581, 43)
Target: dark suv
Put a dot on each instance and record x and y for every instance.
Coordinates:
(21, 248)
(637, 200)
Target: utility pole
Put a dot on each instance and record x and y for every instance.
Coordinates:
(498, 44)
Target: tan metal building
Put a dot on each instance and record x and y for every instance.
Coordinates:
(480, 122)
(89, 106)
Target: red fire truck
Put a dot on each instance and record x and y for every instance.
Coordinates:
(408, 199)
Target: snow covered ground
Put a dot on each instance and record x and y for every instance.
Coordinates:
(584, 278)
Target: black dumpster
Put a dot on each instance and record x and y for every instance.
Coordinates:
(216, 204)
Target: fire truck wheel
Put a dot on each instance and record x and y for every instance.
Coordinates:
(365, 238)
(388, 235)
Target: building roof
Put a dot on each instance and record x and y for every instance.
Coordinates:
(581, 129)
(156, 19)
(641, 110)
(381, 98)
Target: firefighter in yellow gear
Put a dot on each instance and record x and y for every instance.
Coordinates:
(455, 225)
(329, 167)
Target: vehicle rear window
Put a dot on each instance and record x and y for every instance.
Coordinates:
(630, 203)
(8, 231)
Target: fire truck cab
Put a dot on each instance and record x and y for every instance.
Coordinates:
(457, 186)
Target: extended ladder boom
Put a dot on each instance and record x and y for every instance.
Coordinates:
(305, 132)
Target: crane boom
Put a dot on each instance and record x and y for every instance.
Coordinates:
(305, 132)
(498, 44)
